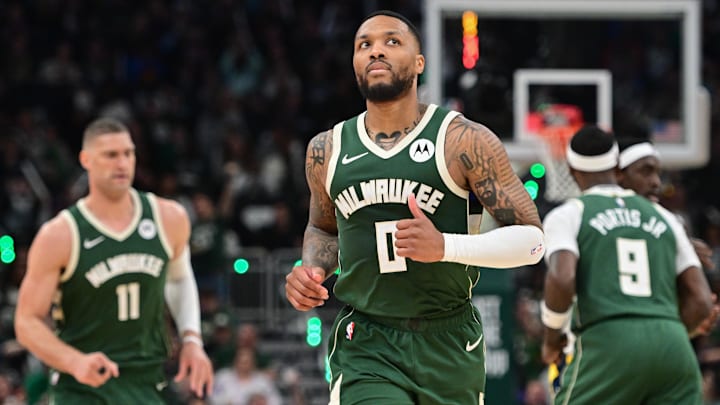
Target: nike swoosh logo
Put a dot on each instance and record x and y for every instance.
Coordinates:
(161, 385)
(91, 243)
(347, 160)
(470, 347)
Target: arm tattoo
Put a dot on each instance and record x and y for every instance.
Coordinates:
(315, 158)
(488, 193)
(484, 161)
(320, 245)
(505, 216)
(466, 161)
(318, 149)
(320, 249)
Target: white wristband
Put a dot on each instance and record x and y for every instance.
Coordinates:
(192, 339)
(552, 319)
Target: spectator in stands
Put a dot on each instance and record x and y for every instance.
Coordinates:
(61, 68)
(712, 235)
(282, 231)
(207, 246)
(710, 394)
(237, 384)
(11, 393)
(220, 338)
(528, 338)
(247, 338)
(536, 393)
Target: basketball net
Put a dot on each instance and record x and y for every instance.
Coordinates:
(559, 182)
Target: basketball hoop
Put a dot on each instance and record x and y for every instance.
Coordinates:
(560, 184)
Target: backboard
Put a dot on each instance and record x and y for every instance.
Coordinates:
(617, 63)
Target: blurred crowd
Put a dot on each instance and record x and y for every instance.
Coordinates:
(221, 98)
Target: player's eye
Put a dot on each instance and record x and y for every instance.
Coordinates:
(393, 41)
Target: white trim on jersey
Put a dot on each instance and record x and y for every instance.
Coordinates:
(387, 154)
(118, 236)
(573, 378)
(74, 247)
(335, 392)
(332, 163)
(154, 208)
(440, 158)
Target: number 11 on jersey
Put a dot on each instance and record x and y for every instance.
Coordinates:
(388, 259)
(128, 301)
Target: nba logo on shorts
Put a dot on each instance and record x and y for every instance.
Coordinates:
(349, 330)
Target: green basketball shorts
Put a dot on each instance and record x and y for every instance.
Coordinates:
(397, 361)
(632, 361)
(134, 386)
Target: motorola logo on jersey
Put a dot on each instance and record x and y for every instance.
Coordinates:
(422, 150)
(147, 229)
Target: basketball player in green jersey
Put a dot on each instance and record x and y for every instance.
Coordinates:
(108, 261)
(637, 286)
(639, 164)
(390, 192)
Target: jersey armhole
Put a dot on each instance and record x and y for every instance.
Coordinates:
(74, 246)
(440, 157)
(336, 137)
(152, 200)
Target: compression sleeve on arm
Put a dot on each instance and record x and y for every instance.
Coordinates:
(181, 294)
(505, 247)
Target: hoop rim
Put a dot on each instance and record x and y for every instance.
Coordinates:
(556, 138)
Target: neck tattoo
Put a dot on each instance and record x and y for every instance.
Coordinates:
(387, 141)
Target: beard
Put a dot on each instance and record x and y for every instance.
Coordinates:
(382, 92)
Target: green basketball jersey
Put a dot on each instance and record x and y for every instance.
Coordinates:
(370, 187)
(627, 260)
(111, 295)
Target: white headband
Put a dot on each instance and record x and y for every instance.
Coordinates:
(598, 163)
(636, 152)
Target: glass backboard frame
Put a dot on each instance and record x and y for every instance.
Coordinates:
(524, 78)
(693, 152)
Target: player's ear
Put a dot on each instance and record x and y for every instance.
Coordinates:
(419, 64)
(84, 159)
